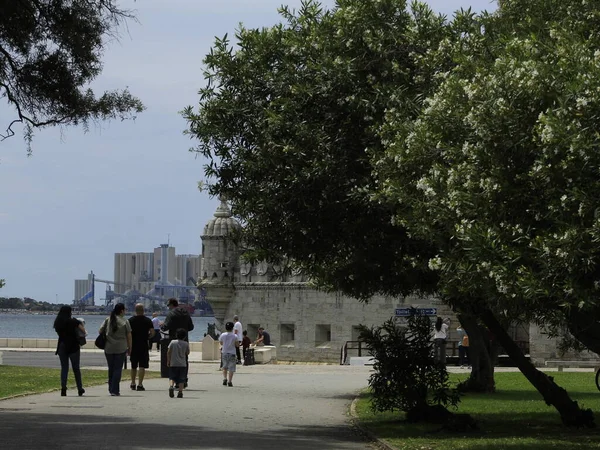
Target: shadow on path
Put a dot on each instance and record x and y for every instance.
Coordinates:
(23, 430)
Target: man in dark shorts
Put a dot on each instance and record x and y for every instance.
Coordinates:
(142, 329)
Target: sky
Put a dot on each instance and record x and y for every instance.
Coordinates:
(123, 186)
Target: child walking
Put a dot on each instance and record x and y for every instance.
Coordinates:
(229, 342)
(176, 354)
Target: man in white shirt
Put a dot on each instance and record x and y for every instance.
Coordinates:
(238, 330)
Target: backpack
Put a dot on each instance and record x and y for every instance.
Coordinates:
(81, 334)
(465, 341)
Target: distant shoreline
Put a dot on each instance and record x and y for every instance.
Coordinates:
(47, 313)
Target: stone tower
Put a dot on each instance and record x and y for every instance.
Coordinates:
(219, 260)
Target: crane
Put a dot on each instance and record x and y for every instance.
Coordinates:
(112, 282)
(110, 295)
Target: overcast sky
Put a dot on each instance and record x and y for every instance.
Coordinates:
(124, 186)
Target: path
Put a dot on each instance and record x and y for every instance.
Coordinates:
(269, 407)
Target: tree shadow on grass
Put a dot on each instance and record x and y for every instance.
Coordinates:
(26, 430)
(535, 431)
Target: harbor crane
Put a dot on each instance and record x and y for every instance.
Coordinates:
(113, 283)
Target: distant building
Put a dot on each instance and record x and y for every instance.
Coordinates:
(148, 277)
(82, 287)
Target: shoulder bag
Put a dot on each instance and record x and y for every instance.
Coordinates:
(100, 341)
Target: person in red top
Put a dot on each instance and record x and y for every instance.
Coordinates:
(246, 342)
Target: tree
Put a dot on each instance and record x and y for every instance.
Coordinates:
(290, 122)
(50, 51)
(300, 125)
(502, 167)
(285, 121)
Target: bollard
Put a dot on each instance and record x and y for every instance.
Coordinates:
(164, 348)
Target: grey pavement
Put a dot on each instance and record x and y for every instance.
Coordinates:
(271, 406)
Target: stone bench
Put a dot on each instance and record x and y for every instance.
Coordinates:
(265, 354)
(594, 364)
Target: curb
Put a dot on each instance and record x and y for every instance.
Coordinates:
(27, 394)
(364, 430)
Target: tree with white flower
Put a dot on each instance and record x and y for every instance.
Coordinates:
(508, 145)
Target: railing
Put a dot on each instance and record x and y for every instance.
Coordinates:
(451, 349)
(351, 345)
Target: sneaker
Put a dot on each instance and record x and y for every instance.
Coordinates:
(230, 384)
(185, 385)
(238, 362)
(171, 392)
(224, 382)
(115, 394)
(132, 387)
(180, 395)
(141, 388)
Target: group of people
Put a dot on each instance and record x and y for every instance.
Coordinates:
(231, 340)
(134, 337)
(131, 337)
(440, 337)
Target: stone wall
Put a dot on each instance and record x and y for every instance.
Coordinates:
(544, 348)
(310, 325)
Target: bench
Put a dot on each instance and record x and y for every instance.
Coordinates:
(594, 364)
(265, 354)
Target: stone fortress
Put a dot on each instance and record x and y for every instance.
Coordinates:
(307, 324)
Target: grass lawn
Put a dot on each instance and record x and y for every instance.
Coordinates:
(16, 380)
(515, 417)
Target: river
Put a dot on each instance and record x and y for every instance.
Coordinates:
(40, 326)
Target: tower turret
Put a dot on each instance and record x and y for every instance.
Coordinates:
(219, 259)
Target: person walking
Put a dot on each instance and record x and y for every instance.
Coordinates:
(229, 344)
(177, 359)
(237, 330)
(67, 349)
(439, 339)
(156, 323)
(463, 346)
(118, 345)
(177, 318)
(142, 331)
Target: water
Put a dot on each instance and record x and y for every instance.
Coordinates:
(40, 326)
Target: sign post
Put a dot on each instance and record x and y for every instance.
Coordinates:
(407, 312)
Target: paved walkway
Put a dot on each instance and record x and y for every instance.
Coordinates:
(270, 407)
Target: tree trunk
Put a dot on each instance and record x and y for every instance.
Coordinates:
(584, 326)
(552, 394)
(480, 358)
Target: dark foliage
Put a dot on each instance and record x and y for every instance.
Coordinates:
(406, 377)
(50, 51)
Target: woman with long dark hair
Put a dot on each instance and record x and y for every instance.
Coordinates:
(68, 348)
(118, 345)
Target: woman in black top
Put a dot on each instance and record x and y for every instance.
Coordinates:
(68, 348)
